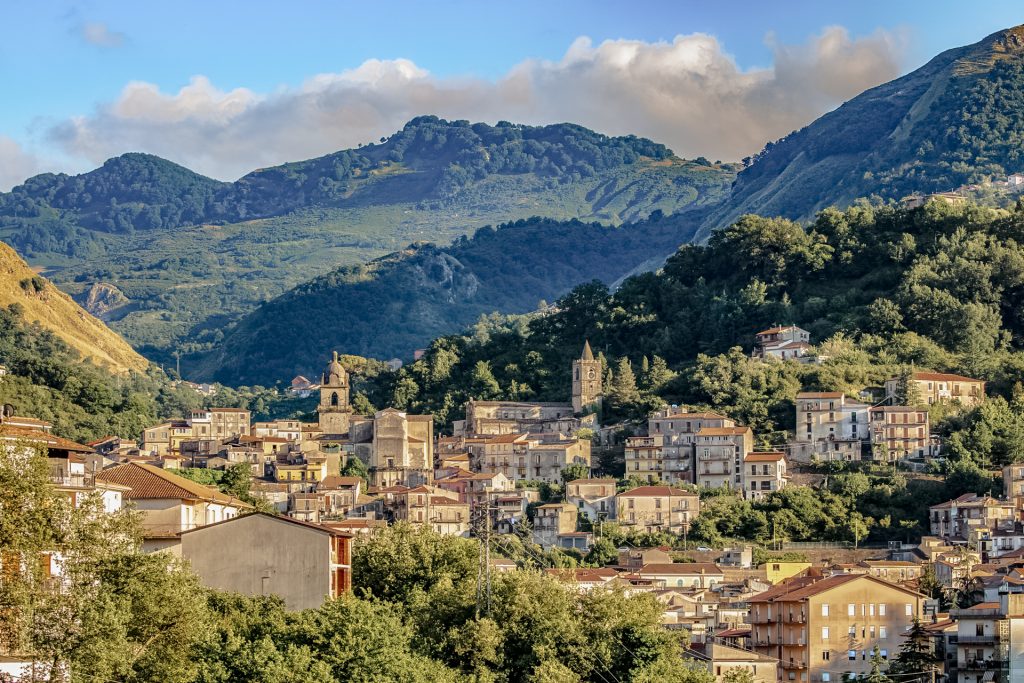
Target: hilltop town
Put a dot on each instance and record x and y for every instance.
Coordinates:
(275, 507)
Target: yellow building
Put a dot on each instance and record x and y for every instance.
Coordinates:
(657, 508)
(780, 571)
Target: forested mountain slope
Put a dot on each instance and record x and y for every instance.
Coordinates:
(957, 120)
(176, 255)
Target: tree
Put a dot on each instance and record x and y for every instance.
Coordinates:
(876, 675)
(916, 659)
(483, 385)
(355, 467)
(906, 392)
(602, 553)
(574, 471)
(738, 675)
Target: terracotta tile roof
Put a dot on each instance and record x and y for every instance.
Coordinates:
(764, 457)
(776, 330)
(583, 574)
(803, 587)
(505, 438)
(12, 433)
(651, 491)
(723, 431)
(608, 480)
(695, 416)
(820, 394)
(333, 481)
(277, 518)
(148, 482)
(679, 568)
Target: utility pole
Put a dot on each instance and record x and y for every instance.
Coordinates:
(483, 530)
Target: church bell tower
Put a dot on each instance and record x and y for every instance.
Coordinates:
(334, 409)
(586, 381)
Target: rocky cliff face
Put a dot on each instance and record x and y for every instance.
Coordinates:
(102, 300)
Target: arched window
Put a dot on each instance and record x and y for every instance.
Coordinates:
(334, 398)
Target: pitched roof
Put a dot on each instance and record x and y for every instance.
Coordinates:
(820, 394)
(680, 568)
(13, 433)
(148, 482)
(583, 574)
(587, 353)
(696, 416)
(659, 491)
(774, 456)
(777, 329)
(802, 587)
(608, 480)
(334, 481)
(723, 431)
(276, 518)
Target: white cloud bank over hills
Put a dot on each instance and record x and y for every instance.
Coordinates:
(689, 94)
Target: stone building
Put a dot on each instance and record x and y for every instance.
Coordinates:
(334, 411)
(403, 449)
(586, 381)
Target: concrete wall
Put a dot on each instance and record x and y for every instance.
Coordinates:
(260, 555)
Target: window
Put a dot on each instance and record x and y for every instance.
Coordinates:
(853, 632)
(825, 655)
(824, 632)
(851, 610)
(881, 609)
(884, 653)
(852, 654)
(824, 608)
(872, 632)
(881, 632)
(872, 609)
(908, 610)
(826, 677)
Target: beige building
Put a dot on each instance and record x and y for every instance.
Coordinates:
(492, 418)
(436, 508)
(788, 342)
(525, 457)
(1013, 486)
(677, 432)
(335, 413)
(170, 504)
(551, 521)
(645, 458)
(261, 554)
(763, 473)
(822, 628)
(829, 426)
(939, 387)
(957, 518)
(719, 659)
(594, 498)
(683, 574)
(990, 640)
(898, 432)
(216, 425)
(657, 508)
(720, 454)
(403, 449)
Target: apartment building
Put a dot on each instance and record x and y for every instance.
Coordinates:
(939, 387)
(527, 457)
(829, 426)
(990, 641)
(898, 432)
(785, 343)
(594, 498)
(763, 473)
(645, 458)
(657, 508)
(720, 452)
(677, 431)
(821, 629)
(957, 518)
(552, 521)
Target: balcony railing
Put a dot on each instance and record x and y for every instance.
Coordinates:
(977, 640)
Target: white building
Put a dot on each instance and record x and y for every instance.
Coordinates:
(830, 426)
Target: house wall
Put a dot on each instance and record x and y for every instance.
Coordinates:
(258, 555)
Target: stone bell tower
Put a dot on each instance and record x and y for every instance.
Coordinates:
(334, 409)
(586, 381)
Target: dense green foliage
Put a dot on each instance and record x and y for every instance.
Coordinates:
(398, 303)
(190, 254)
(50, 381)
(957, 120)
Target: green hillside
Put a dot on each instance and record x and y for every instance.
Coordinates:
(399, 302)
(181, 255)
(958, 120)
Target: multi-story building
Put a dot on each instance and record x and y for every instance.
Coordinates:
(678, 433)
(990, 641)
(763, 473)
(492, 418)
(594, 498)
(957, 518)
(403, 449)
(939, 387)
(829, 426)
(169, 504)
(898, 432)
(477, 488)
(528, 457)
(551, 521)
(821, 629)
(436, 508)
(215, 425)
(261, 554)
(1013, 485)
(720, 453)
(645, 458)
(657, 508)
(787, 342)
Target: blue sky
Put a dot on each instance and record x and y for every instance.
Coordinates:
(65, 67)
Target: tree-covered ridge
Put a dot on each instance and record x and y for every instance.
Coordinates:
(400, 302)
(957, 120)
(939, 287)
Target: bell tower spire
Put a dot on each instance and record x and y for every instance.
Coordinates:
(586, 381)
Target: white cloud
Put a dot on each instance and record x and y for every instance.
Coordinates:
(99, 34)
(16, 163)
(689, 94)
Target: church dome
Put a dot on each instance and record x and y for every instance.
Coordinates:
(334, 374)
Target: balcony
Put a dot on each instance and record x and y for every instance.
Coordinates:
(989, 639)
(982, 665)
